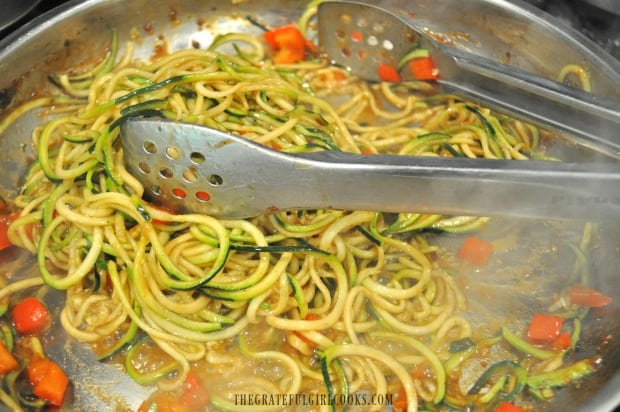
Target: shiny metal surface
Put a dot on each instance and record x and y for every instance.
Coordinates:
(78, 33)
(591, 119)
(193, 168)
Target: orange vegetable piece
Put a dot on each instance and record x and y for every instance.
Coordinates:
(5, 221)
(195, 395)
(423, 68)
(584, 296)
(508, 407)
(7, 360)
(37, 367)
(30, 316)
(388, 73)
(400, 403)
(49, 380)
(288, 43)
(561, 342)
(356, 36)
(545, 327)
(475, 251)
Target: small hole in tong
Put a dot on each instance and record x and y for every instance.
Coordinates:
(362, 54)
(144, 167)
(156, 190)
(179, 193)
(372, 41)
(149, 147)
(173, 153)
(339, 33)
(166, 173)
(203, 196)
(357, 37)
(197, 158)
(346, 52)
(190, 175)
(215, 180)
(388, 45)
(378, 28)
(346, 18)
(362, 22)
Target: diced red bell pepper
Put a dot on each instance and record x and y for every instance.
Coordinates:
(388, 73)
(195, 395)
(5, 221)
(288, 43)
(49, 380)
(561, 342)
(475, 251)
(423, 68)
(584, 296)
(30, 316)
(400, 403)
(7, 360)
(545, 327)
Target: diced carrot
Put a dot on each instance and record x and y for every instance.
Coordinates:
(30, 316)
(561, 342)
(423, 68)
(544, 327)
(49, 380)
(388, 73)
(7, 360)
(508, 407)
(288, 43)
(584, 296)
(475, 251)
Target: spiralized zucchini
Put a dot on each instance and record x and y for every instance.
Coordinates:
(340, 285)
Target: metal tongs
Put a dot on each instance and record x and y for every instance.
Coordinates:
(192, 168)
(197, 169)
(360, 36)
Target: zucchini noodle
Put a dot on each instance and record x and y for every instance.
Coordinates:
(340, 284)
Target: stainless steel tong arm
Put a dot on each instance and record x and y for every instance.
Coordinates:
(245, 179)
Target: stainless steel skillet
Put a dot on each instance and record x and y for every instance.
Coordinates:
(78, 33)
